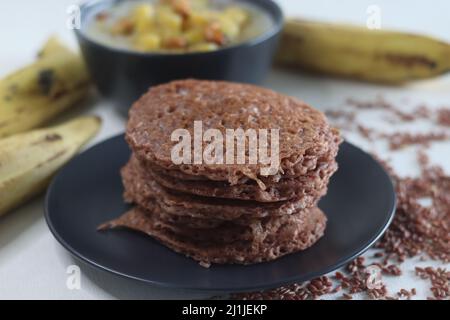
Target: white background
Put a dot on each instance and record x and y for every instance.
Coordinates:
(33, 265)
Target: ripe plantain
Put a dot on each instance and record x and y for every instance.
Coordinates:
(33, 95)
(29, 160)
(356, 52)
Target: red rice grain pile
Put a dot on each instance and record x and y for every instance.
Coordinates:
(417, 230)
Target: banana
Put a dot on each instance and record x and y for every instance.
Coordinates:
(356, 52)
(29, 160)
(35, 94)
(52, 47)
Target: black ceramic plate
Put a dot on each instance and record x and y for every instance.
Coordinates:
(88, 191)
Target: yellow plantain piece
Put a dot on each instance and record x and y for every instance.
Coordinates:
(28, 160)
(35, 94)
(359, 53)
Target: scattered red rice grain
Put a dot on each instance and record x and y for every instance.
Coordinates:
(392, 270)
(347, 296)
(381, 104)
(340, 114)
(337, 289)
(403, 293)
(422, 111)
(367, 133)
(338, 275)
(440, 281)
(400, 140)
(377, 294)
(423, 159)
(443, 117)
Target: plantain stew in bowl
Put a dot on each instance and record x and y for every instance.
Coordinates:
(178, 25)
(131, 45)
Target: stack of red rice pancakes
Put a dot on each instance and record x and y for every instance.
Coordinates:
(227, 213)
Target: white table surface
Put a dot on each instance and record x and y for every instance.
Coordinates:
(33, 265)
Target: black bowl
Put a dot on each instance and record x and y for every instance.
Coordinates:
(123, 76)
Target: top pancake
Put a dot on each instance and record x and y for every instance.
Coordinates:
(304, 131)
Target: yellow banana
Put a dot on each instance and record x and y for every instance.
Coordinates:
(359, 53)
(35, 94)
(28, 160)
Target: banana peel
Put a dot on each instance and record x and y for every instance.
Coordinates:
(29, 160)
(355, 52)
(32, 96)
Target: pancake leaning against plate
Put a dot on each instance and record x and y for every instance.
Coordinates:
(273, 239)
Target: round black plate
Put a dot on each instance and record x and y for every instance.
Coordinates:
(88, 191)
